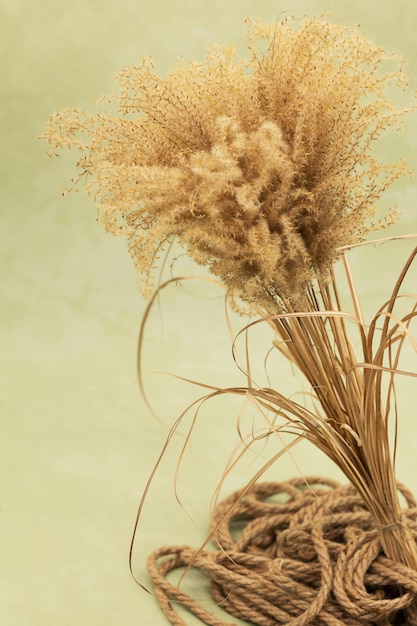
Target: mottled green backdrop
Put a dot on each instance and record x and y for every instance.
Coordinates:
(77, 441)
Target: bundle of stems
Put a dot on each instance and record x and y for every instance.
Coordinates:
(352, 425)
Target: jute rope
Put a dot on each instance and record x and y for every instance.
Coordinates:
(288, 554)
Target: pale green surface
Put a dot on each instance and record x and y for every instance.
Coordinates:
(77, 441)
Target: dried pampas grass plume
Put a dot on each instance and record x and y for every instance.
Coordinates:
(261, 168)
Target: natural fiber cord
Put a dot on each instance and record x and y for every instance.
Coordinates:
(296, 553)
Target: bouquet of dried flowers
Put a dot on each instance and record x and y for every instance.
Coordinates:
(263, 170)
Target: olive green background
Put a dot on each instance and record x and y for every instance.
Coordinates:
(77, 441)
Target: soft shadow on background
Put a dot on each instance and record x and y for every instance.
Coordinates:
(77, 440)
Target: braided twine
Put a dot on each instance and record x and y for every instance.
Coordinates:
(293, 555)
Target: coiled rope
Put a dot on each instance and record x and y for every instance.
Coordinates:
(294, 555)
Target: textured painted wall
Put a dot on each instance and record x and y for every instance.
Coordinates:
(77, 441)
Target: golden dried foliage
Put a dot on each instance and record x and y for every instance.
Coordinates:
(261, 168)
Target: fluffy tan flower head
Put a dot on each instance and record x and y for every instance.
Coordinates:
(262, 169)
